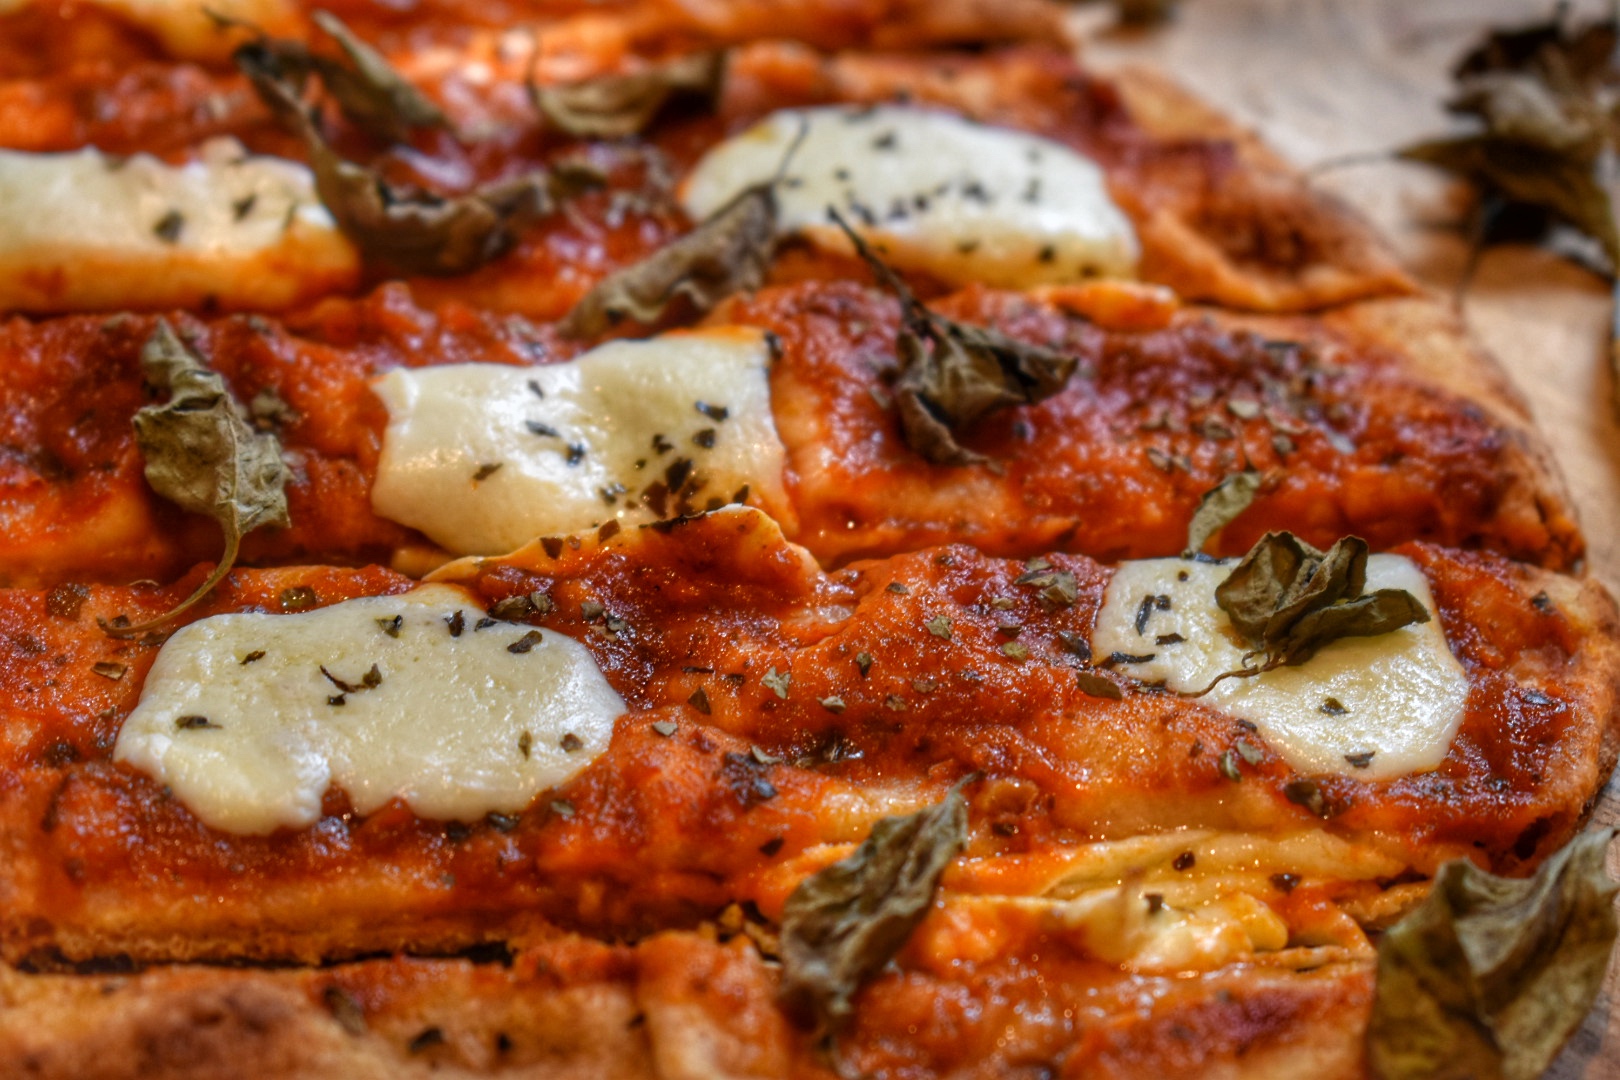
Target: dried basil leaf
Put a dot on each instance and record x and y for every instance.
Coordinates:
(373, 96)
(1544, 153)
(1054, 588)
(845, 922)
(614, 106)
(421, 233)
(1518, 171)
(1282, 577)
(1098, 686)
(1218, 507)
(1366, 616)
(1142, 13)
(952, 374)
(729, 251)
(202, 455)
(1289, 600)
(416, 232)
(1489, 976)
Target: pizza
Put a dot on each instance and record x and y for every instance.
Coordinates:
(685, 539)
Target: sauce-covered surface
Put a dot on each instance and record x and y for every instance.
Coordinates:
(1250, 236)
(1112, 467)
(774, 705)
(77, 506)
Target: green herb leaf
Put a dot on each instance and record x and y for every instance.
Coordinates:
(1218, 507)
(729, 251)
(1290, 599)
(373, 96)
(1489, 976)
(845, 922)
(952, 374)
(614, 106)
(417, 232)
(202, 455)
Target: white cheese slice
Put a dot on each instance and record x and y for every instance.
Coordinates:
(933, 191)
(238, 719)
(485, 458)
(1392, 702)
(185, 28)
(85, 230)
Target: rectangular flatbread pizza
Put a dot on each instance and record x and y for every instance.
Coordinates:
(667, 538)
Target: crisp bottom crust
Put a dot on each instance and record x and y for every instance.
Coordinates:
(680, 1005)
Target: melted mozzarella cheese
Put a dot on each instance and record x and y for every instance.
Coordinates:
(1118, 925)
(85, 230)
(932, 191)
(1392, 702)
(239, 720)
(484, 458)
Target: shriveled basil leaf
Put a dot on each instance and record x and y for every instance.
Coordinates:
(1516, 171)
(845, 922)
(422, 233)
(952, 373)
(1053, 588)
(1098, 686)
(1489, 976)
(1145, 12)
(1545, 152)
(1584, 53)
(614, 106)
(1219, 505)
(372, 95)
(414, 232)
(1366, 616)
(729, 251)
(202, 455)
(1289, 599)
(1542, 97)
(1282, 577)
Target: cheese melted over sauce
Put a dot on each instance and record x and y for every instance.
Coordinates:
(238, 719)
(484, 458)
(1370, 707)
(86, 230)
(931, 191)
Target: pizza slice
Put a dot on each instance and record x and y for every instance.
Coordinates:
(417, 435)
(251, 789)
(674, 684)
(1154, 829)
(1213, 217)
